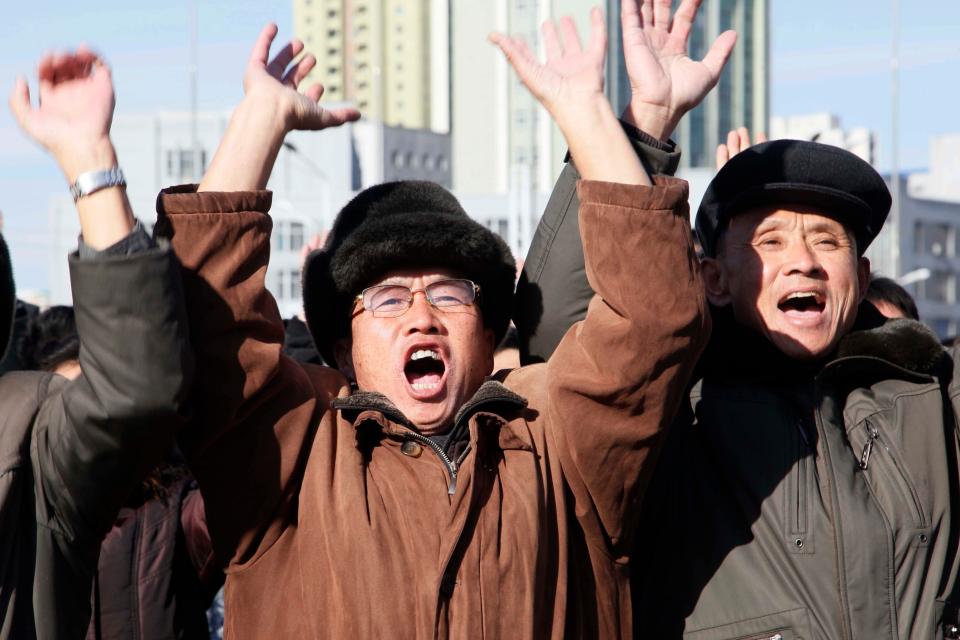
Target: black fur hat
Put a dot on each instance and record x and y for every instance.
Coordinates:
(8, 298)
(400, 225)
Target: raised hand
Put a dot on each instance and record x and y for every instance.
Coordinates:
(570, 86)
(272, 79)
(571, 76)
(72, 120)
(272, 107)
(737, 141)
(664, 81)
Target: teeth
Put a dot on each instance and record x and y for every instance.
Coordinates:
(801, 294)
(425, 386)
(425, 353)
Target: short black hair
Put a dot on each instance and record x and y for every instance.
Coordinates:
(886, 290)
(51, 339)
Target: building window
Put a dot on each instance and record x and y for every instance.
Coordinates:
(180, 165)
(502, 227)
(936, 288)
(296, 236)
(933, 239)
(294, 285)
(279, 236)
(280, 286)
(942, 327)
(398, 160)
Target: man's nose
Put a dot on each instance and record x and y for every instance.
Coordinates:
(421, 317)
(803, 259)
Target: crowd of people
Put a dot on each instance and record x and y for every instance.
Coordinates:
(728, 432)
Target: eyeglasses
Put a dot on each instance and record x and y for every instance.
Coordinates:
(392, 300)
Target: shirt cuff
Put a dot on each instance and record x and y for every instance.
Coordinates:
(136, 241)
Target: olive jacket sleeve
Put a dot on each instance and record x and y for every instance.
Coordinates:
(553, 292)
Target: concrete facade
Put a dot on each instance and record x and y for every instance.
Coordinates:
(742, 96)
(389, 57)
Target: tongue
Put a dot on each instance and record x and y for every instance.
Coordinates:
(423, 378)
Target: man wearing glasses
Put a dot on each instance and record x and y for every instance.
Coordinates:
(406, 493)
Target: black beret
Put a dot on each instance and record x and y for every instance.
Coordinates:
(399, 225)
(795, 172)
(8, 298)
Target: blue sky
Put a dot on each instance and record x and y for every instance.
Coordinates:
(826, 55)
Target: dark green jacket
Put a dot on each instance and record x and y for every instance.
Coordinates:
(71, 452)
(812, 501)
(760, 521)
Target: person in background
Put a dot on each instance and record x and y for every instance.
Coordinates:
(162, 520)
(890, 299)
(71, 451)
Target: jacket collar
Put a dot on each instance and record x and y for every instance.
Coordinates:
(492, 396)
(737, 351)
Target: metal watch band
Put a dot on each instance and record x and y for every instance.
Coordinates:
(92, 181)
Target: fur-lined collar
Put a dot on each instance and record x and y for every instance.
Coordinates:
(736, 351)
(909, 344)
(489, 394)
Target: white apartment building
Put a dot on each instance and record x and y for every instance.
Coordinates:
(826, 129)
(314, 176)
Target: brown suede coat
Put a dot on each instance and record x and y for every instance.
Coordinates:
(330, 530)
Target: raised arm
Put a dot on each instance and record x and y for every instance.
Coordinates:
(553, 292)
(271, 108)
(255, 409)
(93, 441)
(616, 380)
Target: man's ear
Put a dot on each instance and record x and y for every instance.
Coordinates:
(715, 282)
(343, 352)
(863, 276)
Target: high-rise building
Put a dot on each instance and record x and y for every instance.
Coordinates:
(389, 57)
(504, 142)
(741, 98)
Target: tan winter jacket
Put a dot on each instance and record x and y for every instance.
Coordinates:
(335, 522)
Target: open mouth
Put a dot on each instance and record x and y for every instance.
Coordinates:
(424, 370)
(802, 302)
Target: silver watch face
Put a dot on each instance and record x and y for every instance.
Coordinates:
(93, 181)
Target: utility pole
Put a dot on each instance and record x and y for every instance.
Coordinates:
(895, 132)
(194, 134)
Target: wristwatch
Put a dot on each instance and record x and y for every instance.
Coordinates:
(92, 181)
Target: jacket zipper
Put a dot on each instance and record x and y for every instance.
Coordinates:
(837, 530)
(873, 436)
(451, 465)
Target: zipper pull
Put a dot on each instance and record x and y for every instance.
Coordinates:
(873, 435)
(452, 485)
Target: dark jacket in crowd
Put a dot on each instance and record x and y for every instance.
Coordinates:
(71, 452)
(337, 522)
(813, 501)
(156, 575)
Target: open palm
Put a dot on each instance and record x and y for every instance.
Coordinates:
(571, 73)
(76, 101)
(272, 77)
(662, 75)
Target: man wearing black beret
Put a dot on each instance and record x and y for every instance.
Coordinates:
(407, 493)
(809, 489)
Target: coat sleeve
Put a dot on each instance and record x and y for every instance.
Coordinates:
(94, 440)
(617, 378)
(255, 410)
(553, 292)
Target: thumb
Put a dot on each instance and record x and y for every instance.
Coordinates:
(718, 54)
(20, 103)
